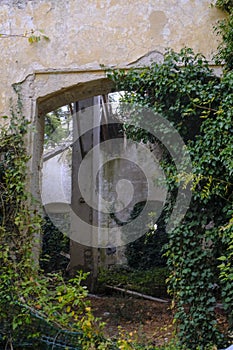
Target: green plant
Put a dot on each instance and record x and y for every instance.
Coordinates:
(18, 224)
(151, 281)
(35, 309)
(54, 245)
(184, 90)
(33, 36)
(57, 126)
(147, 251)
(224, 29)
(226, 270)
(226, 5)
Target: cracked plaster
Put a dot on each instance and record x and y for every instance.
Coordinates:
(85, 34)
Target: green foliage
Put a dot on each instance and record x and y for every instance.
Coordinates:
(184, 90)
(18, 224)
(147, 251)
(34, 306)
(192, 280)
(225, 30)
(226, 269)
(33, 36)
(184, 96)
(151, 282)
(226, 5)
(55, 243)
(57, 127)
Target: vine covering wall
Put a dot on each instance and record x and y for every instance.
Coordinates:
(200, 251)
(186, 91)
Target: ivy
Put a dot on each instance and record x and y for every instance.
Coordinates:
(226, 268)
(225, 30)
(226, 5)
(35, 310)
(184, 90)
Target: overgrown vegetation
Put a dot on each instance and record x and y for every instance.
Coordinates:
(199, 253)
(35, 310)
(151, 282)
(184, 90)
(57, 126)
(38, 311)
(55, 246)
(147, 251)
(225, 30)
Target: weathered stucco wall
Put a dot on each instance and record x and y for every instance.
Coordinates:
(85, 34)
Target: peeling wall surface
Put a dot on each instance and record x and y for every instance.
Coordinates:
(85, 34)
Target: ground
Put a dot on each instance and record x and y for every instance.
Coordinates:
(144, 320)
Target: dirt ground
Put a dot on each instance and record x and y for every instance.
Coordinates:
(146, 321)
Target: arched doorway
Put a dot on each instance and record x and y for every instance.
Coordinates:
(79, 96)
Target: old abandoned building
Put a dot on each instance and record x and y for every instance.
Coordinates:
(82, 38)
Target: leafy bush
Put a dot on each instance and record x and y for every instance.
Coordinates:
(184, 90)
(147, 251)
(35, 310)
(151, 282)
(54, 244)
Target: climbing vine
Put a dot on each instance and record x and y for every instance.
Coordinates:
(225, 5)
(199, 253)
(35, 310)
(33, 36)
(186, 91)
(225, 30)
